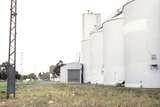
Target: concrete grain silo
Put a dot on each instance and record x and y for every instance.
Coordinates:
(142, 43)
(86, 59)
(90, 22)
(113, 50)
(97, 73)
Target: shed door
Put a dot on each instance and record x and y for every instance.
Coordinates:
(74, 75)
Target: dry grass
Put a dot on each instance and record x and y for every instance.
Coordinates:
(51, 95)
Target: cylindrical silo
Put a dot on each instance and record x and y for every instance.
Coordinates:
(113, 51)
(142, 43)
(90, 22)
(97, 58)
(86, 60)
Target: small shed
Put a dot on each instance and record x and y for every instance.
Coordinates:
(71, 73)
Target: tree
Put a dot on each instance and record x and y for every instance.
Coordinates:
(23, 77)
(44, 76)
(3, 71)
(55, 70)
(32, 76)
(18, 76)
(3, 74)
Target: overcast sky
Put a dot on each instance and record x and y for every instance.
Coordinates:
(48, 30)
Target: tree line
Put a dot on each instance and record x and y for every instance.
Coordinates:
(3, 73)
(54, 72)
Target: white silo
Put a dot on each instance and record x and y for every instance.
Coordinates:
(97, 73)
(113, 50)
(90, 22)
(86, 60)
(142, 43)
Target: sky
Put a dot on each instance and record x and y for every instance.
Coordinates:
(48, 30)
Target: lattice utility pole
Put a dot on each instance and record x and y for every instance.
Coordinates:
(11, 69)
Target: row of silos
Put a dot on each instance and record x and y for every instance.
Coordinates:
(103, 63)
(127, 48)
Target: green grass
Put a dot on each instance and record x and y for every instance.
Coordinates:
(3, 86)
(37, 94)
